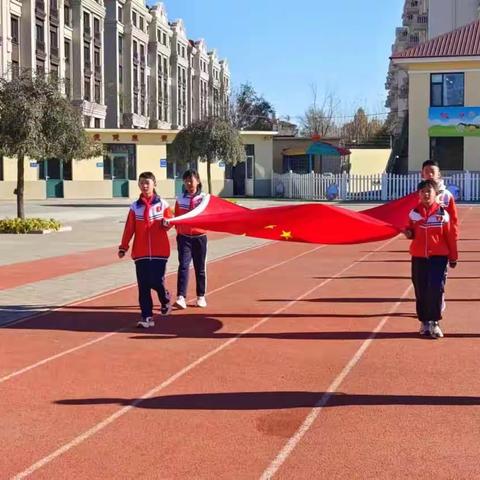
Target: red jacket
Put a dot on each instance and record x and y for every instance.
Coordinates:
(151, 240)
(184, 204)
(433, 232)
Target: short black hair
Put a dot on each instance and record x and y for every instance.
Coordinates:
(147, 176)
(430, 163)
(428, 183)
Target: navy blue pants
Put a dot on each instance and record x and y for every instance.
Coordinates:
(191, 248)
(151, 276)
(428, 277)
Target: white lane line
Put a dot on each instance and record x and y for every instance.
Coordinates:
(316, 410)
(119, 413)
(120, 289)
(108, 335)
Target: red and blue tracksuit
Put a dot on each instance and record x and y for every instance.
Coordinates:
(191, 245)
(434, 243)
(151, 248)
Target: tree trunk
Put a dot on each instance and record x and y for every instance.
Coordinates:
(209, 176)
(20, 186)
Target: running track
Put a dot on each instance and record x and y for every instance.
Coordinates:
(305, 365)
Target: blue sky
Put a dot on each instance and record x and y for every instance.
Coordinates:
(283, 47)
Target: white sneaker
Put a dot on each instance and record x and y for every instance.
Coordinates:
(146, 323)
(201, 302)
(181, 303)
(435, 330)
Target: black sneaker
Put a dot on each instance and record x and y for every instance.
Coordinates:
(166, 309)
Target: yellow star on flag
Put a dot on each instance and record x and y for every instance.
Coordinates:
(286, 235)
(270, 227)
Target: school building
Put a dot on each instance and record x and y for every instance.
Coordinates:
(127, 153)
(444, 99)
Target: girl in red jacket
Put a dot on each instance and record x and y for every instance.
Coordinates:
(434, 244)
(151, 247)
(191, 243)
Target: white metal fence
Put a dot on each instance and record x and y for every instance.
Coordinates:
(378, 187)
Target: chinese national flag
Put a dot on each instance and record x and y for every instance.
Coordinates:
(311, 223)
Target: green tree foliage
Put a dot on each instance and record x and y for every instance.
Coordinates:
(36, 121)
(250, 111)
(207, 140)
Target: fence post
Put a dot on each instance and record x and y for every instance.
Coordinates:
(290, 181)
(467, 182)
(384, 187)
(343, 186)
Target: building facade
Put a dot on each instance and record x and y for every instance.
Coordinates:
(121, 62)
(444, 100)
(127, 153)
(414, 30)
(421, 20)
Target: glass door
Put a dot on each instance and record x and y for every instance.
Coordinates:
(119, 169)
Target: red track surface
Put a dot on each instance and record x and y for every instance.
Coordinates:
(223, 406)
(22, 273)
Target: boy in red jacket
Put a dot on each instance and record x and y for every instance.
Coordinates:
(434, 244)
(151, 247)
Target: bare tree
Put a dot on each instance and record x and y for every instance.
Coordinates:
(319, 118)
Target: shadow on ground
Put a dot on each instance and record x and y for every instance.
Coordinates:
(274, 400)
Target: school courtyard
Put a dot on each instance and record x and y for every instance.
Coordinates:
(305, 364)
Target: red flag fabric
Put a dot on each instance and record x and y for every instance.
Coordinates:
(311, 223)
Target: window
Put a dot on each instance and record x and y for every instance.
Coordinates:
(96, 57)
(164, 38)
(67, 52)
(120, 74)
(120, 45)
(135, 103)
(86, 87)
(86, 55)
(67, 14)
(54, 38)
(86, 22)
(120, 14)
(39, 36)
(446, 89)
(14, 29)
(142, 53)
(1, 168)
(96, 25)
(134, 18)
(141, 23)
(15, 69)
(97, 123)
(98, 96)
(448, 152)
(250, 154)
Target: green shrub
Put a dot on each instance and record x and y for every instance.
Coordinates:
(27, 225)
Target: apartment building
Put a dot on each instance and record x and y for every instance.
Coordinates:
(412, 32)
(60, 38)
(421, 20)
(121, 62)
